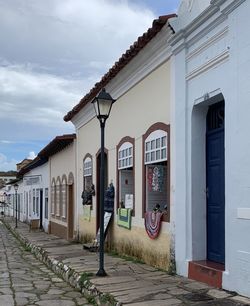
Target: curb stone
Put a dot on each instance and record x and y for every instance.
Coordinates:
(68, 274)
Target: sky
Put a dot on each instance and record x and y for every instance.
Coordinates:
(52, 52)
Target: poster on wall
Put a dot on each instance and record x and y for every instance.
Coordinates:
(107, 218)
(129, 199)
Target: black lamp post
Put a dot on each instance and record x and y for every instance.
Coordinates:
(102, 103)
(16, 187)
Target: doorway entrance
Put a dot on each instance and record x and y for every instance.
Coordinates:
(215, 183)
(71, 207)
(70, 213)
(41, 209)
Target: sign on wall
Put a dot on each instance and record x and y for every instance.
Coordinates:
(129, 201)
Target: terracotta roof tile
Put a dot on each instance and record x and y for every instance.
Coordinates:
(123, 61)
(56, 145)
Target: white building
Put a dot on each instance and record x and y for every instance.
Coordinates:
(6, 177)
(35, 193)
(210, 147)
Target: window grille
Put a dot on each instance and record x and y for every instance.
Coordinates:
(87, 167)
(125, 156)
(156, 147)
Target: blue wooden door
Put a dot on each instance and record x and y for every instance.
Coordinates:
(215, 187)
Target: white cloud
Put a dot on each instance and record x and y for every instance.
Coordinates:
(52, 53)
(6, 141)
(32, 155)
(7, 165)
(72, 32)
(34, 95)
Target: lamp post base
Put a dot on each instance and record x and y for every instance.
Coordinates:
(101, 272)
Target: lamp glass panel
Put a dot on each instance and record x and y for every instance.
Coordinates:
(105, 106)
(96, 107)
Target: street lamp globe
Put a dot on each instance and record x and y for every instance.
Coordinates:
(103, 104)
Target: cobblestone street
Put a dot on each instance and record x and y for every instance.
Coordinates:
(26, 281)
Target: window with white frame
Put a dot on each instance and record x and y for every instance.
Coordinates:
(88, 187)
(34, 201)
(57, 199)
(156, 147)
(24, 201)
(156, 170)
(37, 201)
(53, 199)
(30, 203)
(87, 173)
(46, 198)
(64, 199)
(21, 203)
(125, 156)
(126, 174)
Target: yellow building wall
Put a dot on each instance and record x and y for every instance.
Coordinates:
(146, 103)
(63, 163)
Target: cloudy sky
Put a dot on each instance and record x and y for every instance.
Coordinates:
(51, 53)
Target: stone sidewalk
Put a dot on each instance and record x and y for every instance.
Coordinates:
(127, 283)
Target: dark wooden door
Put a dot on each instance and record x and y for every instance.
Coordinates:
(70, 212)
(41, 208)
(215, 167)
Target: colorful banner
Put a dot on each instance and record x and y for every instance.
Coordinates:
(124, 217)
(153, 223)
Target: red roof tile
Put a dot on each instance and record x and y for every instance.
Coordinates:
(56, 145)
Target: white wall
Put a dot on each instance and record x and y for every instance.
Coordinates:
(214, 59)
(41, 172)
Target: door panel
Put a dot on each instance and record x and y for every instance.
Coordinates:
(215, 196)
(41, 208)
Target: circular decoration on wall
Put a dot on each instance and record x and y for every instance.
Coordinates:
(152, 223)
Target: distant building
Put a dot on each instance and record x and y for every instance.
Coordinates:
(23, 163)
(6, 177)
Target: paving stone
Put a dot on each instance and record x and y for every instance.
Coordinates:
(21, 301)
(177, 291)
(241, 299)
(26, 289)
(197, 286)
(169, 302)
(55, 303)
(81, 301)
(7, 300)
(218, 294)
(6, 291)
(56, 280)
(24, 295)
(49, 296)
(73, 294)
(55, 291)
(161, 296)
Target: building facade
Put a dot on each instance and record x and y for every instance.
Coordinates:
(60, 153)
(137, 149)
(210, 147)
